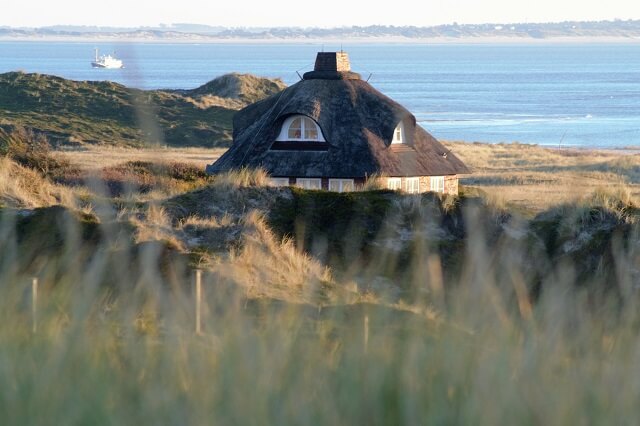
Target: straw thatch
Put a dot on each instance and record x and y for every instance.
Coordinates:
(357, 122)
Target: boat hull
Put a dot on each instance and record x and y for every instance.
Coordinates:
(99, 65)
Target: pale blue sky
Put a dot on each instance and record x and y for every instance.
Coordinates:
(325, 13)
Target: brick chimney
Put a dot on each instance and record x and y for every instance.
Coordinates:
(332, 61)
(331, 66)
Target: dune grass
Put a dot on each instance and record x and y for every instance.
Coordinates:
(81, 113)
(536, 178)
(23, 187)
(528, 177)
(284, 340)
(318, 308)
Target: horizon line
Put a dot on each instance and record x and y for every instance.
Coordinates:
(168, 26)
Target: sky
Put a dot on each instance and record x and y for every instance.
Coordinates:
(301, 13)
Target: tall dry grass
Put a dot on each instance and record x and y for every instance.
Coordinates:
(284, 338)
(22, 187)
(538, 178)
(242, 178)
(486, 327)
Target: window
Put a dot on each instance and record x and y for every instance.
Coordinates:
(394, 183)
(437, 184)
(300, 128)
(307, 183)
(398, 134)
(413, 185)
(341, 185)
(278, 181)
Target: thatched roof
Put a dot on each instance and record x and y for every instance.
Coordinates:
(357, 122)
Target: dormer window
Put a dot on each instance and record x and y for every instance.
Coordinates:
(398, 134)
(300, 128)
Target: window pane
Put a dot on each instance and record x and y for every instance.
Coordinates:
(394, 183)
(295, 129)
(310, 130)
(308, 123)
(397, 134)
(347, 185)
(341, 185)
(413, 185)
(309, 183)
(311, 133)
(279, 181)
(437, 183)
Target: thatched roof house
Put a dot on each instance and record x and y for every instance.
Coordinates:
(332, 130)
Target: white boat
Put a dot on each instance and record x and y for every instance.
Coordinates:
(106, 61)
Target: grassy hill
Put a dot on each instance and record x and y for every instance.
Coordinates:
(105, 113)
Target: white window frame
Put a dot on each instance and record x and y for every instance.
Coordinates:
(437, 184)
(398, 134)
(284, 130)
(341, 184)
(394, 183)
(412, 185)
(278, 181)
(309, 183)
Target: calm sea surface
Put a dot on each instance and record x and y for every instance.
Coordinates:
(570, 95)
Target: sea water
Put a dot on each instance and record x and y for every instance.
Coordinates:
(585, 95)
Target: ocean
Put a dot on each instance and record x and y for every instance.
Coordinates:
(581, 95)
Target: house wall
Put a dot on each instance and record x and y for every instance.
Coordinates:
(450, 183)
(325, 182)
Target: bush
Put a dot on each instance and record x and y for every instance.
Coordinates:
(145, 176)
(186, 172)
(31, 150)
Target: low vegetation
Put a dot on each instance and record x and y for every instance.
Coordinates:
(80, 113)
(32, 151)
(370, 307)
(536, 178)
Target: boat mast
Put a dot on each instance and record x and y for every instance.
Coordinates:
(96, 50)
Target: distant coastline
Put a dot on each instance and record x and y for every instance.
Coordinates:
(618, 31)
(353, 40)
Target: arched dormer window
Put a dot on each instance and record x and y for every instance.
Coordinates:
(398, 134)
(300, 128)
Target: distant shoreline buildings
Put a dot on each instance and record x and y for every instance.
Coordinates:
(577, 30)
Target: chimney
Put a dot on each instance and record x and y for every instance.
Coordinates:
(331, 66)
(332, 61)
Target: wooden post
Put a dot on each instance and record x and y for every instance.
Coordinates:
(34, 304)
(366, 333)
(198, 300)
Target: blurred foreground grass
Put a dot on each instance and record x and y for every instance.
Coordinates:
(364, 308)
